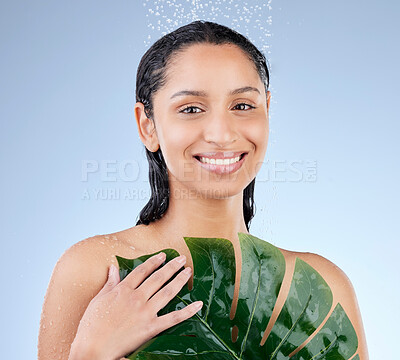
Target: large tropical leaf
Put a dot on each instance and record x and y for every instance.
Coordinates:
(208, 334)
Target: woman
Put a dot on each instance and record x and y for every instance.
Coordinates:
(202, 94)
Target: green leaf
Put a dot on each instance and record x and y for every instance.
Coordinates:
(306, 306)
(337, 340)
(208, 334)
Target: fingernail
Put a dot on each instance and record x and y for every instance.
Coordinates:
(188, 270)
(181, 259)
(197, 305)
(161, 256)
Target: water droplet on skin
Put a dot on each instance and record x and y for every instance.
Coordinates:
(51, 323)
(102, 242)
(59, 308)
(44, 326)
(132, 247)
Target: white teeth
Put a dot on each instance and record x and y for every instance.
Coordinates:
(219, 161)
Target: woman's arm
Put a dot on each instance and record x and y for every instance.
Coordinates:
(88, 313)
(78, 276)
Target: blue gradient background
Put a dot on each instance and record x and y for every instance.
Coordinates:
(67, 95)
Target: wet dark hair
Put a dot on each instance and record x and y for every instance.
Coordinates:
(151, 76)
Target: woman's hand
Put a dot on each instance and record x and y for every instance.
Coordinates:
(122, 317)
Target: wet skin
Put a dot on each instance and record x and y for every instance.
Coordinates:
(202, 203)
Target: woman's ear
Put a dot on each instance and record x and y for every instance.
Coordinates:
(146, 128)
(268, 100)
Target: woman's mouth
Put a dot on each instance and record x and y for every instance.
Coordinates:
(220, 164)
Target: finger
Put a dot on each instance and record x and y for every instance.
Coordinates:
(112, 280)
(140, 273)
(159, 277)
(175, 317)
(164, 296)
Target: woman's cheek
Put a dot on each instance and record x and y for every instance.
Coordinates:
(176, 144)
(257, 133)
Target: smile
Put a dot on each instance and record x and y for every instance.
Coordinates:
(219, 161)
(220, 164)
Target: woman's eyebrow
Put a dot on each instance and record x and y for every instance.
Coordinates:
(204, 94)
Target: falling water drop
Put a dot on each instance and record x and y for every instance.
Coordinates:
(251, 18)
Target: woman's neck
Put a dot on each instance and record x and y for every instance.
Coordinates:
(201, 217)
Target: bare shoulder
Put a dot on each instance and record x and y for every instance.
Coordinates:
(338, 281)
(333, 274)
(341, 286)
(77, 277)
(88, 260)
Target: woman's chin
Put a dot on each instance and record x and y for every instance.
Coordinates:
(218, 191)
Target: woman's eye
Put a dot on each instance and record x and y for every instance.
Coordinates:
(189, 112)
(192, 109)
(251, 107)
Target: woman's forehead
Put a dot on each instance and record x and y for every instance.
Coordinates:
(206, 54)
(206, 65)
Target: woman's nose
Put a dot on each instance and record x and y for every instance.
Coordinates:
(220, 129)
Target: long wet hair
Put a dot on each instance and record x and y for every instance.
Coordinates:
(151, 76)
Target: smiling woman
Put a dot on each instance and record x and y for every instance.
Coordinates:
(202, 114)
(229, 119)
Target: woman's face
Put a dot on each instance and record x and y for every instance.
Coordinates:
(213, 104)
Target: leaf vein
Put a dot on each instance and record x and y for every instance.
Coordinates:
(324, 350)
(252, 312)
(291, 329)
(210, 297)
